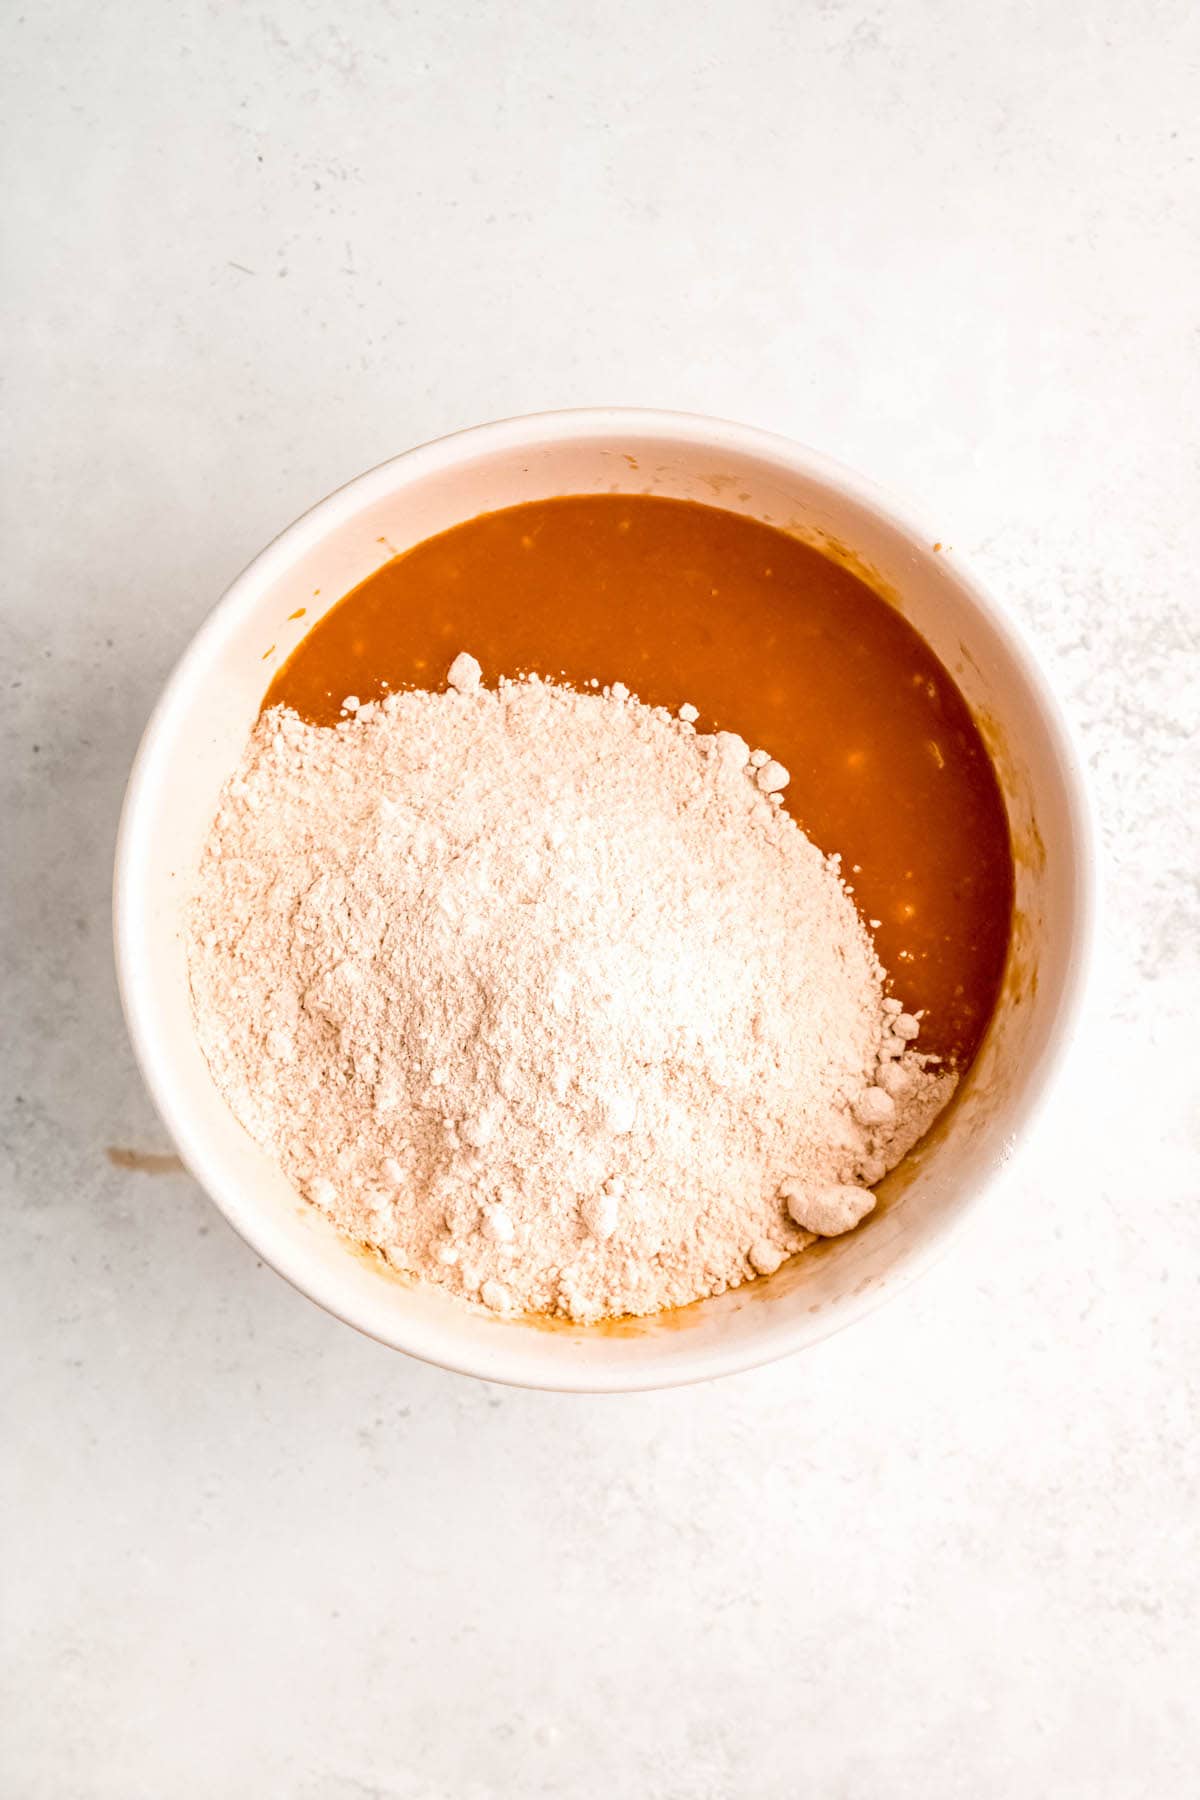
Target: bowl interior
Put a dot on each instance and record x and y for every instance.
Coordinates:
(196, 739)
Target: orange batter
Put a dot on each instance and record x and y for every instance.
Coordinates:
(768, 638)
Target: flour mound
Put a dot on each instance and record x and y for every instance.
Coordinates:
(544, 995)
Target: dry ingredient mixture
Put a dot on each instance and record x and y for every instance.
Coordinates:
(545, 996)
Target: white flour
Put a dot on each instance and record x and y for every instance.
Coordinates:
(544, 995)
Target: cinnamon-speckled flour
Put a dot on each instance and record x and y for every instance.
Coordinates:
(545, 995)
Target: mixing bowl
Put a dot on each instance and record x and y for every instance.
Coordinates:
(195, 740)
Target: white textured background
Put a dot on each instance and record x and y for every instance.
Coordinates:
(252, 250)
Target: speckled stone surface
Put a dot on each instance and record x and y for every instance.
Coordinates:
(953, 1552)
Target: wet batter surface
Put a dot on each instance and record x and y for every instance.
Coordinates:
(766, 637)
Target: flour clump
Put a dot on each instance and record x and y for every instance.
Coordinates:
(545, 997)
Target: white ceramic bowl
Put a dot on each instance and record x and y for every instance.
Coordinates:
(196, 737)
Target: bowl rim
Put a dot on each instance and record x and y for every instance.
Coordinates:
(547, 1371)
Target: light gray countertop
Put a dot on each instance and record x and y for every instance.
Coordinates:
(953, 1551)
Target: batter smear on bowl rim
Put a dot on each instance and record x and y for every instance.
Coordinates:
(545, 995)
